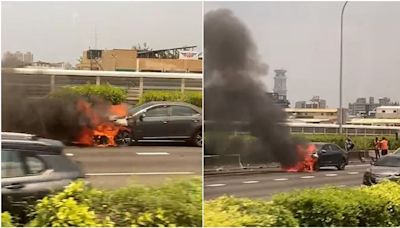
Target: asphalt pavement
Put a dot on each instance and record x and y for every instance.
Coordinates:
(144, 164)
(264, 185)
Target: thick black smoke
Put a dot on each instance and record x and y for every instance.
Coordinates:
(234, 93)
(50, 117)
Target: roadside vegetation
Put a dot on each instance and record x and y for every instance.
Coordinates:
(117, 95)
(107, 92)
(191, 97)
(362, 143)
(375, 206)
(172, 204)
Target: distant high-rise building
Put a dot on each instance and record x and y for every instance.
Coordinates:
(315, 102)
(28, 58)
(300, 104)
(364, 109)
(280, 82)
(19, 55)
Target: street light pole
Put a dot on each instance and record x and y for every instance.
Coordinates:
(341, 72)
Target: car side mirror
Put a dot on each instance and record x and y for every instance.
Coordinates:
(142, 116)
(323, 151)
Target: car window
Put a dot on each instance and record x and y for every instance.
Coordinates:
(182, 111)
(326, 147)
(157, 112)
(391, 161)
(60, 163)
(11, 164)
(35, 165)
(335, 147)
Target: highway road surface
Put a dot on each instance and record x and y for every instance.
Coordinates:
(144, 164)
(264, 185)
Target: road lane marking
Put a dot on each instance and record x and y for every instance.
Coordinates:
(353, 173)
(331, 174)
(281, 179)
(152, 153)
(69, 154)
(215, 185)
(360, 165)
(307, 177)
(137, 174)
(250, 182)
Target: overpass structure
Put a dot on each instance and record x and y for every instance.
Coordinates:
(40, 82)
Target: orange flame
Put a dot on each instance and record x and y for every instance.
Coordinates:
(102, 132)
(305, 160)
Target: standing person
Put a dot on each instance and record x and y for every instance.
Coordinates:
(377, 147)
(384, 146)
(349, 145)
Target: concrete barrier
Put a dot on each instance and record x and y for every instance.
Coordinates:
(222, 162)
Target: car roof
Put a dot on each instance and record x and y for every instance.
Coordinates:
(151, 103)
(30, 142)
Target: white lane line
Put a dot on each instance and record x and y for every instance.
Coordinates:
(152, 153)
(215, 185)
(138, 174)
(353, 173)
(250, 182)
(331, 174)
(69, 154)
(307, 177)
(360, 165)
(281, 179)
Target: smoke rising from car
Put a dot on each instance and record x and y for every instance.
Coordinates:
(235, 94)
(50, 117)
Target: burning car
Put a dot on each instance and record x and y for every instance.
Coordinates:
(165, 120)
(103, 129)
(312, 156)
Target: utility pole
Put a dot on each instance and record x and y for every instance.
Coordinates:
(341, 72)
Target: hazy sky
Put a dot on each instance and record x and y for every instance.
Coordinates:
(303, 38)
(60, 31)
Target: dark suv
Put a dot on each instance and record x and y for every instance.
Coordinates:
(31, 168)
(166, 120)
(330, 154)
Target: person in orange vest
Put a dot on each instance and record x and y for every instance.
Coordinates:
(384, 145)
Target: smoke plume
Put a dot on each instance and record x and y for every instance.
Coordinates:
(51, 117)
(234, 93)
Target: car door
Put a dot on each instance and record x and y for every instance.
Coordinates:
(154, 123)
(183, 121)
(325, 155)
(338, 154)
(22, 182)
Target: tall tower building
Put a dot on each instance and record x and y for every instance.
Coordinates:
(280, 82)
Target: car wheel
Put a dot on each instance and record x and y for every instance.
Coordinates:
(123, 138)
(342, 165)
(197, 138)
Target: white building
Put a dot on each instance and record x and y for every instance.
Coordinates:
(388, 112)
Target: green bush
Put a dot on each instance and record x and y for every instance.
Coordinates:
(173, 204)
(6, 220)
(113, 94)
(229, 211)
(389, 191)
(330, 206)
(191, 97)
(361, 142)
(68, 208)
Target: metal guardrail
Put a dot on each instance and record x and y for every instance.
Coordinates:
(42, 81)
